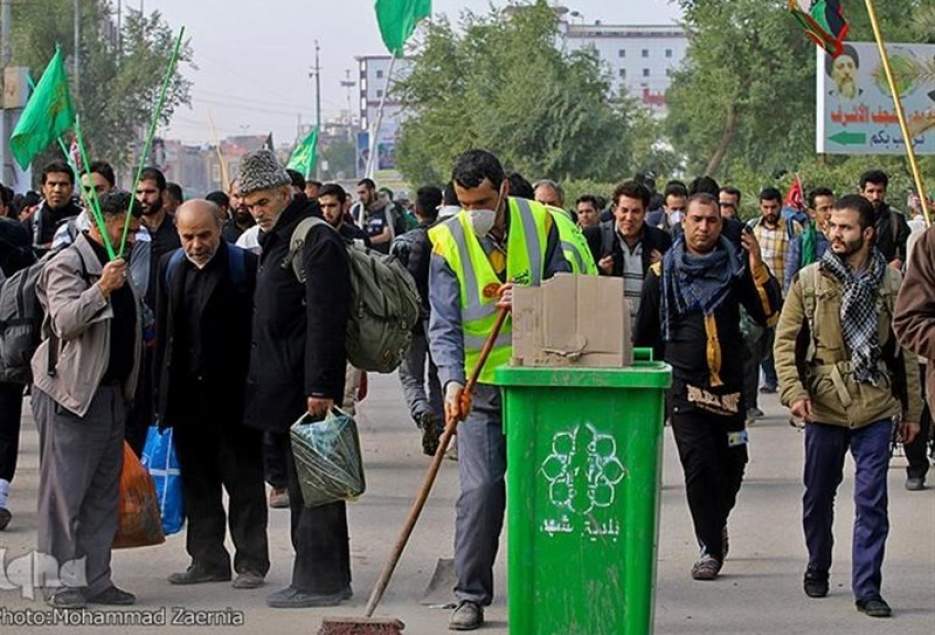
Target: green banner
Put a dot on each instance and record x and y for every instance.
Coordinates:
(305, 155)
(398, 19)
(48, 114)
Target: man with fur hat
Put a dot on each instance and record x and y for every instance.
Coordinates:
(297, 363)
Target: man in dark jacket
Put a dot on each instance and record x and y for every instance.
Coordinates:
(414, 250)
(297, 365)
(690, 315)
(15, 254)
(204, 307)
(627, 246)
(892, 228)
(58, 187)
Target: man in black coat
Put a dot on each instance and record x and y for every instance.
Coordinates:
(297, 364)
(204, 310)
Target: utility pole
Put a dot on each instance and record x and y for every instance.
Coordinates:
(349, 85)
(6, 46)
(77, 49)
(6, 55)
(316, 72)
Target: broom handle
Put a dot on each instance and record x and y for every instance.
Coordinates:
(451, 427)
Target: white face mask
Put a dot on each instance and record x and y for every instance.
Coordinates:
(483, 220)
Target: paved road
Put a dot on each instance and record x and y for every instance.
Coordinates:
(759, 592)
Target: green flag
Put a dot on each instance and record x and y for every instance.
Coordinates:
(305, 155)
(398, 19)
(48, 113)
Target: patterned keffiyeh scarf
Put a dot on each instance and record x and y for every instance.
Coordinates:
(697, 283)
(859, 315)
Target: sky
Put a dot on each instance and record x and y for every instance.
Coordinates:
(252, 57)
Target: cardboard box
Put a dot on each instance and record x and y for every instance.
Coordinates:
(572, 320)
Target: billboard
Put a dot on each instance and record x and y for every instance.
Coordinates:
(855, 113)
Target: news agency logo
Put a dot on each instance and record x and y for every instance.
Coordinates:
(36, 570)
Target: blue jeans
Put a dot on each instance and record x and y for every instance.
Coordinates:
(825, 447)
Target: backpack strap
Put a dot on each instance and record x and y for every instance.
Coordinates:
(237, 262)
(175, 261)
(810, 281)
(297, 244)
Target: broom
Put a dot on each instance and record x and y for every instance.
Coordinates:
(369, 625)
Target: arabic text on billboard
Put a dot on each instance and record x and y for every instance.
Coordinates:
(855, 110)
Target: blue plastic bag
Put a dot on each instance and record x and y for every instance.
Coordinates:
(161, 462)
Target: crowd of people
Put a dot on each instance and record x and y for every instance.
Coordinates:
(201, 327)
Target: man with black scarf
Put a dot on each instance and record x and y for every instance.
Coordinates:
(297, 364)
(690, 306)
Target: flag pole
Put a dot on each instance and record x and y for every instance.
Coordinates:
(897, 103)
(93, 202)
(372, 163)
(157, 113)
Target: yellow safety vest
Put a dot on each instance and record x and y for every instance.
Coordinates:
(455, 241)
(574, 244)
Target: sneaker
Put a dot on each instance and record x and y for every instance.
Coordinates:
(913, 484)
(67, 599)
(452, 453)
(113, 597)
(706, 568)
(196, 574)
(815, 584)
(279, 498)
(429, 425)
(5, 517)
(468, 616)
(876, 607)
(248, 580)
(292, 598)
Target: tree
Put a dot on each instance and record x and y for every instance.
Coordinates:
(121, 73)
(502, 84)
(745, 97)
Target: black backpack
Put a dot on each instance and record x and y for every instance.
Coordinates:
(21, 321)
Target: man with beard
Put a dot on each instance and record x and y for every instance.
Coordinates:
(58, 186)
(332, 200)
(690, 315)
(892, 229)
(372, 214)
(172, 197)
(205, 305)
(150, 194)
(843, 71)
(240, 219)
(843, 374)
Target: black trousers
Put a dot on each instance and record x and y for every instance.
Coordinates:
(320, 539)
(713, 457)
(276, 447)
(11, 412)
(212, 454)
(916, 452)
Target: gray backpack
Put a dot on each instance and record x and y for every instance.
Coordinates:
(385, 303)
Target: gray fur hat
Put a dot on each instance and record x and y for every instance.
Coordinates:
(261, 171)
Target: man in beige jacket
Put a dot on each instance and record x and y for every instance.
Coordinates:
(842, 371)
(85, 373)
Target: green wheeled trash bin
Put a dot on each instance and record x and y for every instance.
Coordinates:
(584, 450)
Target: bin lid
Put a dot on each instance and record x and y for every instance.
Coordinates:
(641, 375)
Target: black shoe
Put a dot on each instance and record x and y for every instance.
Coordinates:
(113, 597)
(196, 574)
(248, 580)
(429, 425)
(5, 517)
(815, 584)
(292, 598)
(468, 616)
(913, 484)
(67, 599)
(874, 608)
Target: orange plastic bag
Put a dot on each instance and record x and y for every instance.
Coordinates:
(139, 523)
